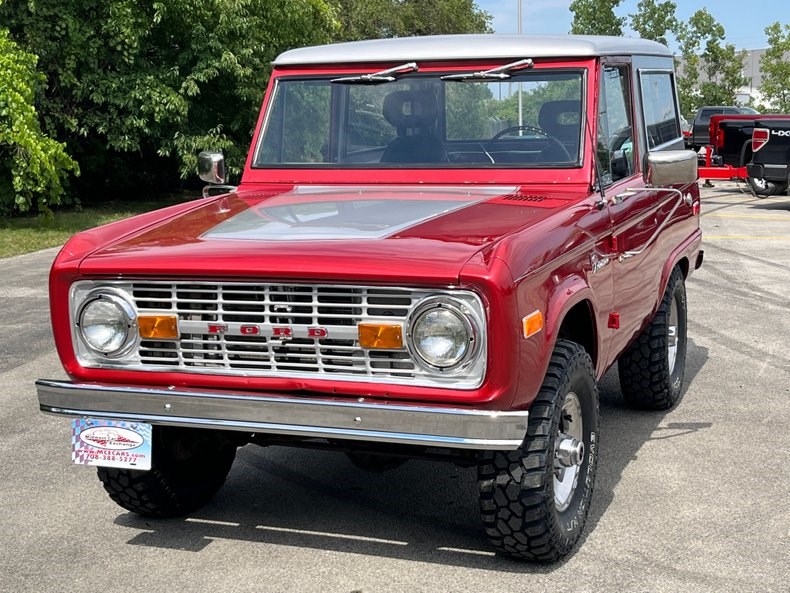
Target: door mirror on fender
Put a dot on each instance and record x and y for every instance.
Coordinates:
(211, 167)
(670, 167)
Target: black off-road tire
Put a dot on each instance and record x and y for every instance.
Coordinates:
(517, 497)
(648, 380)
(188, 467)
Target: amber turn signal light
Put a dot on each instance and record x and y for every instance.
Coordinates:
(380, 336)
(532, 323)
(158, 327)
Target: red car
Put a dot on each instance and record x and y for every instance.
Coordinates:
(438, 246)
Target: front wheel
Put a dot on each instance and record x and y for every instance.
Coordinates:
(534, 501)
(651, 369)
(188, 467)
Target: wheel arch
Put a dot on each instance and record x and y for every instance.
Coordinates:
(746, 149)
(570, 313)
(680, 260)
(578, 325)
(573, 316)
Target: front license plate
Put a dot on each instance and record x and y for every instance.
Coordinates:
(111, 443)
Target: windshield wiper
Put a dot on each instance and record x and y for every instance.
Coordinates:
(389, 75)
(499, 73)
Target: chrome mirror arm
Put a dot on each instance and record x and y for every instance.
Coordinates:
(683, 199)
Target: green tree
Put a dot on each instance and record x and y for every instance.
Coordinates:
(596, 17)
(442, 17)
(370, 19)
(33, 167)
(704, 51)
(135, 88)
(776, 68)
(654, 20)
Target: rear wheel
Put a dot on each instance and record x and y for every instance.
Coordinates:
(534, 501)
(188, 467)
(651, 369)
(763, 188)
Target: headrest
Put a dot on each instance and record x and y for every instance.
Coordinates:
(561, 118)
(411, 109)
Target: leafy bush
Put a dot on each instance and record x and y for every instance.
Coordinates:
(130, 82)
(32, 166)
(137, 89)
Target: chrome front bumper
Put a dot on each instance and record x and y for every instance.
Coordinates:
(354, 419)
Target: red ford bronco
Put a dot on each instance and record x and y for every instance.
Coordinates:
(438, 246)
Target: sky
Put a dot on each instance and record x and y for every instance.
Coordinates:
(746, 30)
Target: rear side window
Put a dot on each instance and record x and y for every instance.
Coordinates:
(706, 114)
(662, 120)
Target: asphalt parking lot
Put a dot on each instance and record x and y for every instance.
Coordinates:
(696, 499)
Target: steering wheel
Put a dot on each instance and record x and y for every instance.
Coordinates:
(552, 140)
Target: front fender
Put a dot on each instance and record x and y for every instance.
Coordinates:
(535, 353)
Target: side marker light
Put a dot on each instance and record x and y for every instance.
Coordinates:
(532, 323)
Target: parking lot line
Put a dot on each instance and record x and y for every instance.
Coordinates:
(747, 237)
(749, 216)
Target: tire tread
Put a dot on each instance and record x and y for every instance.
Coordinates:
(516, 517)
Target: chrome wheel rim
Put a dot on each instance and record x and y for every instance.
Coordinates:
(672, 336)
(568, 451)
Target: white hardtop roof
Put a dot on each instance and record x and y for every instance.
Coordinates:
(470, 47)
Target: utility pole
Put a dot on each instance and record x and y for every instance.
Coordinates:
(520, 108)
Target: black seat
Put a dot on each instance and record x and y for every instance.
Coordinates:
(562, 120)
(413, 114)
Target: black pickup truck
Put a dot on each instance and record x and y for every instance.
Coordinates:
(699, 127)
(770, 166)
(761, 143)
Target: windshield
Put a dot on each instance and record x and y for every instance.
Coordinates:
(531, 120)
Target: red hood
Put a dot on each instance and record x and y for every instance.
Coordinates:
(309, 232)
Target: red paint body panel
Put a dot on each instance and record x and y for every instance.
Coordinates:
(431, 252)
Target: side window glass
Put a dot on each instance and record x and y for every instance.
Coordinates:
(615, 129)
(661, 115)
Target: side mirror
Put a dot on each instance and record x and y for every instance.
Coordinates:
(211, 167)
(671, 167)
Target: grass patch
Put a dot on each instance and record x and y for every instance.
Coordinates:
(24, 234)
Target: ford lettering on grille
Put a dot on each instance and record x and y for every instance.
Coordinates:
(264, 330)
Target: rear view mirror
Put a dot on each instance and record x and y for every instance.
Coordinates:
(211, 167)
(671, 167)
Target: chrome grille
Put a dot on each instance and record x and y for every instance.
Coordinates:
(336, 309)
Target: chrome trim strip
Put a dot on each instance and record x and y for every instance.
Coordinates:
(383, 422)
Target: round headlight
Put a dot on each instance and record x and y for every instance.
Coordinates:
(441, 335)
(105, 322)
